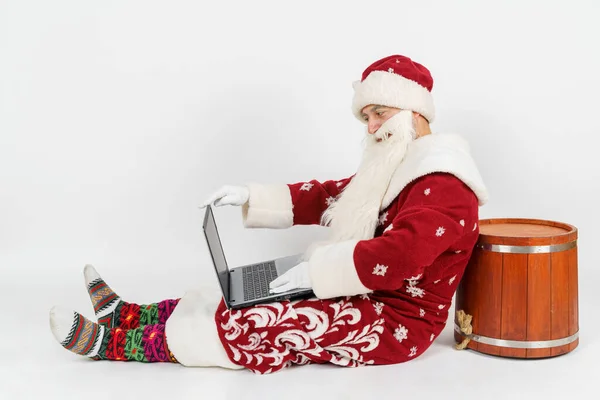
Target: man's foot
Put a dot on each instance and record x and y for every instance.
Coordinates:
(111, 311)
(75, 332)
(81, 336)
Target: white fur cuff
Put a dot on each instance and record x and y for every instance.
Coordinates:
(269, 206)
(333, 273)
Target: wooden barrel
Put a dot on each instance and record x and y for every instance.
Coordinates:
(521, 289)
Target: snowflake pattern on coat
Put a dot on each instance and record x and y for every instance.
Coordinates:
(414, 248)
(383, 218)
(401, 333)
(380, 270)
(412, 288)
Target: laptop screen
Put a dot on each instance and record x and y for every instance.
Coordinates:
(216, 251)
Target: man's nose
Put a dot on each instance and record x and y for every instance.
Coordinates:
(373, 127)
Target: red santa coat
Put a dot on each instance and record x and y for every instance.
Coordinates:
(378, 301)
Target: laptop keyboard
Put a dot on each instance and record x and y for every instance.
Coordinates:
(256, 279)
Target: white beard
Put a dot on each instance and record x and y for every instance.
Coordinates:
(355, 214)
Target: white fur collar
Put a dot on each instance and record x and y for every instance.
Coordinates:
(437, 153)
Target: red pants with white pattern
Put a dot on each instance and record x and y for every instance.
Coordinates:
(350, 331)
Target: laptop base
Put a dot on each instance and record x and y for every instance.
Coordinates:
(294, 295)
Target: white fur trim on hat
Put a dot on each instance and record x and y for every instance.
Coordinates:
(392, 90)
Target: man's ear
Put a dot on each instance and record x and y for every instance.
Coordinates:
(424, 118)
(415, 118)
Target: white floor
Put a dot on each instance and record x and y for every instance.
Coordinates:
(33, 365)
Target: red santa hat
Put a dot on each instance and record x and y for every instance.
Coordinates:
(395, 81)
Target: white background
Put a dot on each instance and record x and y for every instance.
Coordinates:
(118, 118)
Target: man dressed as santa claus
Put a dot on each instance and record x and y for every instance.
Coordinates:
(402, 230)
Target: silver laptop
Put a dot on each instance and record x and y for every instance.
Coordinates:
(247, 285)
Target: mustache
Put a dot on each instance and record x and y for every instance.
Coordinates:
(399, 128)
(383, 135)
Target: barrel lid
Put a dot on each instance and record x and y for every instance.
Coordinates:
(518, 231)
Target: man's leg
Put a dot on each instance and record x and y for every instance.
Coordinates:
(111, 311)
(81, 336)
(187, 324)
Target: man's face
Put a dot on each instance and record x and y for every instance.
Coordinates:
(375, 115)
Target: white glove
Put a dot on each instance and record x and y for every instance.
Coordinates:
(228, 195)
(295, 278)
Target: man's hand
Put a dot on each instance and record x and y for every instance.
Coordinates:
(228, 195)
(295, 278)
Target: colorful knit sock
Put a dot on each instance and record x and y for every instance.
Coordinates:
(111, 311)
(84, 337)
